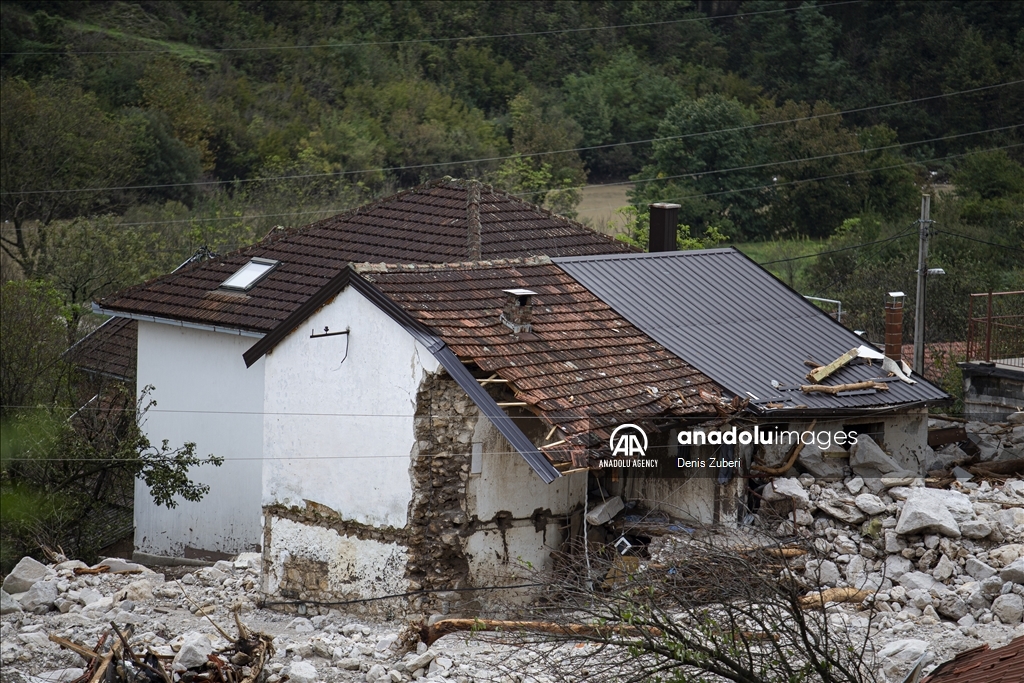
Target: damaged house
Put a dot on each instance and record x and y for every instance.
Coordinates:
(396, 427)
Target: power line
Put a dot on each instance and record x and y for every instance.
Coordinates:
(975, 239)
(627, 182)
(838, 175)
(835, 251)
(417, 41)
(441, 164)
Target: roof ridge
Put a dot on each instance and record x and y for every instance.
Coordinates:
(382, 267)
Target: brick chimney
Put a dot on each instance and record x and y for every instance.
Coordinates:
(517, 314)
(664, 222)
(894, 326)
(473, 219)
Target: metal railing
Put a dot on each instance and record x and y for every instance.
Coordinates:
(995, 328)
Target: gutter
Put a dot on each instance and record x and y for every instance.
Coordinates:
(96, 308)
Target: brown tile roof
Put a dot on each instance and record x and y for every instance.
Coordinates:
(983, 665)
(427, 224)
(582, 368)
(110, 350)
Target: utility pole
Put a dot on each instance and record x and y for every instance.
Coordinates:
(924, 226)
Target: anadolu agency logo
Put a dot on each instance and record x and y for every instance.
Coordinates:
(628, 444)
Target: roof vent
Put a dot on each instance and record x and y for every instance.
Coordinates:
(246, 277)
(517, 314)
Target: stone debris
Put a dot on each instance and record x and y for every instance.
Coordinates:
(944, 569)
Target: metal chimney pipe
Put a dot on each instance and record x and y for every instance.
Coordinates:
(664, 223)
(894, 326)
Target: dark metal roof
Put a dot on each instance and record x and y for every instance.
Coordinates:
(428, 224)
(738, 324)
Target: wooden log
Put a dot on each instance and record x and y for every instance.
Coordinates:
(430, 634)
(847, 594)
(87, 654)
(102, 569)
(835, 389)
(818, 374)
(101, 670)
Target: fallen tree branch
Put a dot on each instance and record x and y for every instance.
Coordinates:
(835, 389)
(846, 594)
(430, 634)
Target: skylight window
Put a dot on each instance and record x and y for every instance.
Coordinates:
(246, 277)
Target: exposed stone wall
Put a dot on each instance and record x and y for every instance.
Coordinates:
(445, 421)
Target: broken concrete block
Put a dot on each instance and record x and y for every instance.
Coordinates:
(923, 512)
(868, 459)
(24, 574)
(42, 594)
(812, 460)
(785, 488)
(605, 511)
(8, 604)
(977, 569)
(194, 648)
(822, 572)
(1014, 571)
(978, 528)
(843, 511)
(870, 504)
(304, 672)
(1009, 608)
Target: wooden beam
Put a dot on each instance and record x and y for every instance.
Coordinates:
(835, 389)
(818, 374)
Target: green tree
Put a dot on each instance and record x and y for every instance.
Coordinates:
(703, 138)
(58, 151)
(168, 88)
(622, 101)
(33, 334)
(539, 125)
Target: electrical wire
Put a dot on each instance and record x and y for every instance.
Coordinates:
(838, 175)
(835, 251)
(441, 164)
(335, 211)
(417, 41)
(975, 239)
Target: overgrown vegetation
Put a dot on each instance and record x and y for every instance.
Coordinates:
(71, 447)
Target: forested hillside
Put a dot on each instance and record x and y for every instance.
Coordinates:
(135, 133)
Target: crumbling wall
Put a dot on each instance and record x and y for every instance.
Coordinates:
(444, 424)
(312, 555)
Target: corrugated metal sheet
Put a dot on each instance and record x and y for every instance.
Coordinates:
(736, 323)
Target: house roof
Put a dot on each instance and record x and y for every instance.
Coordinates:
(428, 224)
(583, 367)
(983, 665)
(109, 350)
(739, 325)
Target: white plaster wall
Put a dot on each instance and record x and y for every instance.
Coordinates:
(338, 430)
(506, 482)
(363, 568)
(204, 394)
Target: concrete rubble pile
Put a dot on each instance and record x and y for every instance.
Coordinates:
(944, 569)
